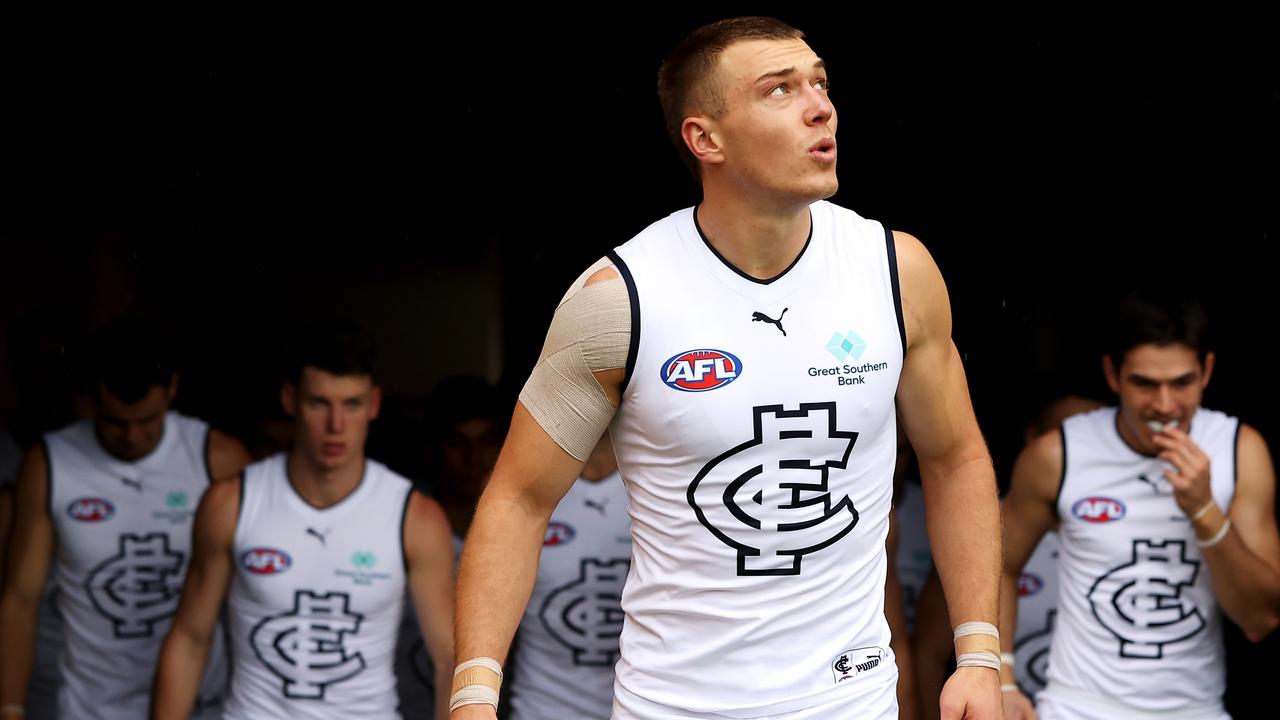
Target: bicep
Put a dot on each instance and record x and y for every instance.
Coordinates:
(1252, 508)
(933, 393)
(209, 574)
(31, 540)
(532, 468)
(1028, 511)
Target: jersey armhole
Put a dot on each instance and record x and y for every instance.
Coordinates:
(208, 458)
(404, 519)
(633, 298)
(895, 285)
(1062, 476)
(240, 507)
(48, 477)
(1235, 457)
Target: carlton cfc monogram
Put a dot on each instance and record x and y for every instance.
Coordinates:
(774, 512)
(305, 646)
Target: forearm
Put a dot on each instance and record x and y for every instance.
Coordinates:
(178, 672)
(964, 532)
(499, 568)
(17, 626)
(1246, 587)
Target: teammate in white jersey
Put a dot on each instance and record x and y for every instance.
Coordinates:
(304, 550)
(115, 496)
(749, 594)
(568, 641)
(1037, 592)
(1164, 512)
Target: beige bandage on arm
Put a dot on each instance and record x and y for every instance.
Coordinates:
(590, 332)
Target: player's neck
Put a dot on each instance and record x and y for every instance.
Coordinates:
(322, 487)
(760, 241)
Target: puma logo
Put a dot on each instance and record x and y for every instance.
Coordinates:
(319, 535)
(761, 317)
(135, 484)
(597, 505)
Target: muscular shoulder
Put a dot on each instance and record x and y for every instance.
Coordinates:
(576, 385)
(925, 305)
(1253, 460)
(227, 456)
(426, 529)
(1037, 473)
(219, 511)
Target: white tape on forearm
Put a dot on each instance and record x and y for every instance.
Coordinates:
(985, 658)
(1007, 659)
(484, 662)
(472, 686)
(474, 695)
(976, 628)
(1217, 537)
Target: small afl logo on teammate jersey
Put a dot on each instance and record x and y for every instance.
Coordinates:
(91, 509)
(266, 561)
(701, 370)
(1098, 509)
(1029, 584)
(558, 533)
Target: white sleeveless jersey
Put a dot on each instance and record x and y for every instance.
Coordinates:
(569, 634)
(1137, 621)
(316, 598)
(757, 440)
(124, 544)
(1037, 614)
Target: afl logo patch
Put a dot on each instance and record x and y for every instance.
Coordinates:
(558, 533)
(91, 510)
(1029, 584)
(701, 370)
(1098, 509)
(266, 561)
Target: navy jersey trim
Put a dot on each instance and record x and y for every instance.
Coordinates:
(208, 456)
(1235, 456)
(892, 251)
(240, 508)
(633, 346)
(404, 520)
(745, 276)
(1062, 477)
(48, 476)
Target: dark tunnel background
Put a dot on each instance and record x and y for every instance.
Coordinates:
(443, 180)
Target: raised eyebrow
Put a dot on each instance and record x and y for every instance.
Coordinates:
(819, 65)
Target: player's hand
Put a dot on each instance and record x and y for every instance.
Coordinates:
(1190, 474)
(480, 711)
(971, 693)
(1018, 706)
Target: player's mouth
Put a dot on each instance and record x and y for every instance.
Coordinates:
(824, 150)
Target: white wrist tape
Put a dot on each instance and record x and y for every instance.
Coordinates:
(1217, 537)
(976, 628)
(985, 658)
(1007, 659)
(1203, 511)
(475, 682)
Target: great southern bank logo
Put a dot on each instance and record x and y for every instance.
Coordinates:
(701, 370)
(846, 346)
